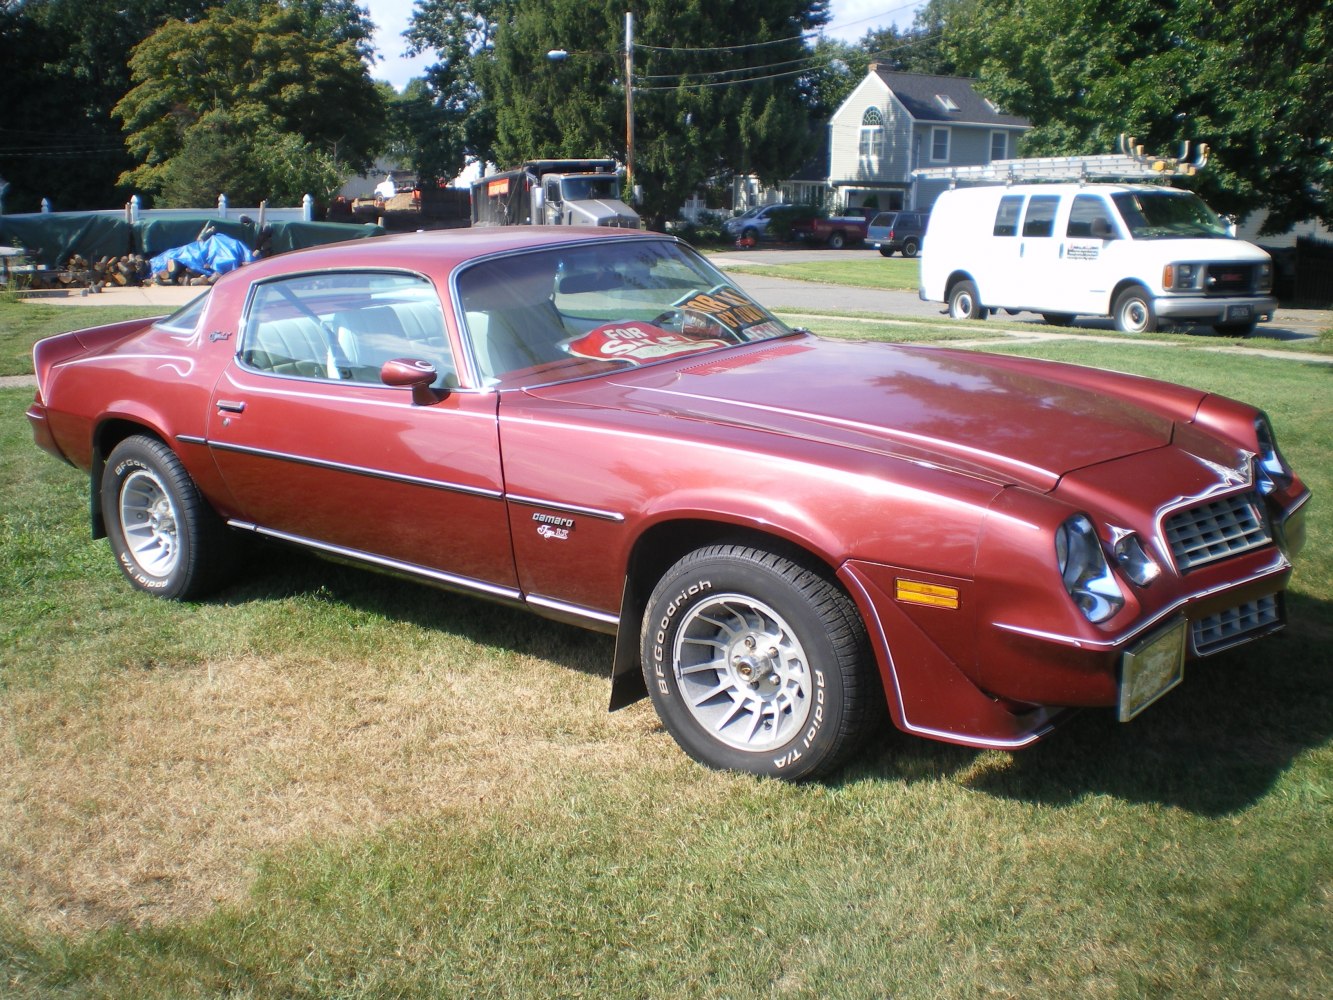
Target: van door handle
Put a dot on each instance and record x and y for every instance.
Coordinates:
(231, 405)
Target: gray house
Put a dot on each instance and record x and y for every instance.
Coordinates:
(894, 123)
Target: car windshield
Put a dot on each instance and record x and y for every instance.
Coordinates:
(587, 188)
(1157, 215)
(587, 308)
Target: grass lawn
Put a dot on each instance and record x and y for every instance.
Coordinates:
(23, 323)
(325, 783)
(860, 269)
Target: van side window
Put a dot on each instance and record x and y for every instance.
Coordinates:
(1006, 216)
(1089, 217)
(1040, 218)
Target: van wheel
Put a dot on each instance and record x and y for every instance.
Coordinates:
(1134, 312)
(885, 252)
(910, 248)
(964, 304)
(1058, 319)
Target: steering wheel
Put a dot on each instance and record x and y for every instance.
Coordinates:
(692, 323)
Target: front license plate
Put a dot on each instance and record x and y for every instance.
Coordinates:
(1239, 312)
(1151, 669)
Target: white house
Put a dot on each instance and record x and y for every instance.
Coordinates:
(894, 123)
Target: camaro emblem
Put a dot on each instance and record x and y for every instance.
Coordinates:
(550, 526)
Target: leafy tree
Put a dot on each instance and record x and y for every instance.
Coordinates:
(65, 66)
(265, 101)
(1250, 78)
(718, 87)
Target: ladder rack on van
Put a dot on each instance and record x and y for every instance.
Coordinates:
(1129, 164)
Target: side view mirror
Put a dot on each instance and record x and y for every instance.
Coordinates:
(414, 374)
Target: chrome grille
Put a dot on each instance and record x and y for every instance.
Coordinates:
(1236, 625)
(1216, 530)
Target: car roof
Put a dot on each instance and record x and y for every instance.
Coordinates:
(437, 252)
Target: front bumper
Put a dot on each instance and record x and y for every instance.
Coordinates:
(1227, 309)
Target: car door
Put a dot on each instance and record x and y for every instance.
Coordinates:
(1087, 268)
(1039, 251)
(316, 449)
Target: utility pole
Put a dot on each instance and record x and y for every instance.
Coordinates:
(629, 103)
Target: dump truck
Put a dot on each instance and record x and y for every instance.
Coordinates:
(553, 193)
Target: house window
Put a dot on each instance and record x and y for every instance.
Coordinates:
(872, 134)
(999, 146)
(939, 145)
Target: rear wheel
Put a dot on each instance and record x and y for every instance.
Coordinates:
(757, 664)
(963, 302)
(910, 248)
(885, 252)
(167, 540)
(837, 241)
(1134, 312)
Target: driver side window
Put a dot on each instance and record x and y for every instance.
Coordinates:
(344, 327)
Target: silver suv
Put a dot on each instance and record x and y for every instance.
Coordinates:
(755, 223)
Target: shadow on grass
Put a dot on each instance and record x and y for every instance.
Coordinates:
(1214, 746)
(297, 573)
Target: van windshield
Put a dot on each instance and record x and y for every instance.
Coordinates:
(1168, 215)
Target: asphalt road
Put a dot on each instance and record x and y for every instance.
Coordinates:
(781, 293)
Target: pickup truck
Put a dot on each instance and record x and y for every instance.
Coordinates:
(834, 231)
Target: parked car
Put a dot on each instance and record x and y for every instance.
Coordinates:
(785, 534)
(897, 232)
(834, 231)
(1144, 254)
(756, 223)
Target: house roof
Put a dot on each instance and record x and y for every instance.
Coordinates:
(920, 94)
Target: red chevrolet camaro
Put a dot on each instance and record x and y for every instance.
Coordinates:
(786, 534)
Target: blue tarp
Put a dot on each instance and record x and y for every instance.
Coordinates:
(216, 255)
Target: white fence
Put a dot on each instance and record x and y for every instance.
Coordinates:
(133, 212)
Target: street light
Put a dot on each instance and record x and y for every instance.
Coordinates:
(559, 55)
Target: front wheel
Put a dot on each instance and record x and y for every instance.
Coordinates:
(885, 252)
(1134, 312)
(757, 664)
(963, 302)
(167, 540)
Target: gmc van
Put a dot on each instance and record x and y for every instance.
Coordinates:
(1145, 255)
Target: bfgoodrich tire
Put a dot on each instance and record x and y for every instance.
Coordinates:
(758, 664)
(167, 540)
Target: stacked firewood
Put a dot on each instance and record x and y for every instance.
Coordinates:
(130, 269)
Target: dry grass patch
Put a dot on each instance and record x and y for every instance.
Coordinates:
(152, 803)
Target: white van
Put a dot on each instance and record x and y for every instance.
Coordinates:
(1142, 254)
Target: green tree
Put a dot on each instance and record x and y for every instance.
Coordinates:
(64, 67)
(719, 87)
(1250, 78)
(257, 100)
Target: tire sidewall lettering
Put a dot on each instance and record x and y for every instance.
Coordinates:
(661, 636)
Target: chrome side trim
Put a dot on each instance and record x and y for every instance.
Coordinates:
(357, 470)
(605, 515)
(947, 736)
(410, 569)
(573, 609)
(191, 439)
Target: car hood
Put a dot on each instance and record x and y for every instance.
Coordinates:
(1010, 420)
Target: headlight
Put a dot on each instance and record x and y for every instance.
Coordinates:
(1273, 470)
(1133, 559)
(1085, 571)
(1180, 276)
(1263, 281)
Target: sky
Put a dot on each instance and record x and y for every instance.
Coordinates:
(851, 20)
